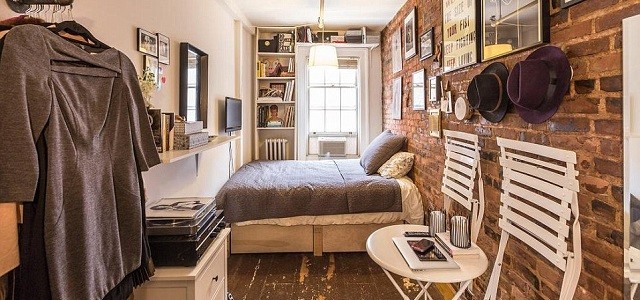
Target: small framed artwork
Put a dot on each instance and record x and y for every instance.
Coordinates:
(278, 86)
(147, 42)
(426, 44)
(433, 89)
(396, 51)
(151, 64)
(396, 101)
(410, 35)
(459, 34)
(434, 123)
(418, 90)
(567, 3)
(164, 49)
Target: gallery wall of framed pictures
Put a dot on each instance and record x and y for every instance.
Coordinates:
(156, 48)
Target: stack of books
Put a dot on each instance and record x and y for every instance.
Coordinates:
(289, 116)
(285, 42)
(288, 91)
(189, 135)
(442, 239)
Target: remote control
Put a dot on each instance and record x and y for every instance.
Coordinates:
(417, 234)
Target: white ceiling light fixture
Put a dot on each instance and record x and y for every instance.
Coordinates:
(323, 56)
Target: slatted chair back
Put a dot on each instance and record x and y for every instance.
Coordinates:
(461, 171)
(539, 198)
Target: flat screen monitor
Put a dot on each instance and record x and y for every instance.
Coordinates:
(233, 112)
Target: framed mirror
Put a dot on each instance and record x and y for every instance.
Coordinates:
(194, 88)
(509, 26)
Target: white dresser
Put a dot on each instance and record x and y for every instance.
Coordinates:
(206, 281)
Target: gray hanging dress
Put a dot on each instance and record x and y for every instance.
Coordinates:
(78, 118)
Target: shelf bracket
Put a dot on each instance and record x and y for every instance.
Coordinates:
(197, 164)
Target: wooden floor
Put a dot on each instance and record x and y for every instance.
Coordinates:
(292, 276)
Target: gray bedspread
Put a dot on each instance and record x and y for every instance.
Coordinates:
(279, 189)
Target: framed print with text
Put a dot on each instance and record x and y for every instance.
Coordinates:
(459, 34)
(418, 90)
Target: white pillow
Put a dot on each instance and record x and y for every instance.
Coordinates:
(397, 166)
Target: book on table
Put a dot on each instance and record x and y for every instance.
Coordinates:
(443, 240)
(435, 259)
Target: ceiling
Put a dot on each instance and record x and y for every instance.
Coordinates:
(339, 14)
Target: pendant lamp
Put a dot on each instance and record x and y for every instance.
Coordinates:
(323, 55)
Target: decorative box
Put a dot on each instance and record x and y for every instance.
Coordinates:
(190, 141)
(184, 128)
(268, 45)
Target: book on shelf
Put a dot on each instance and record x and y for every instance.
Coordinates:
(168, 130)
(443, 240)
(289, 116)
(288, 91)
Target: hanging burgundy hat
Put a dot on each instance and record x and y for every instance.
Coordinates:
(487, 92)
(537, 84)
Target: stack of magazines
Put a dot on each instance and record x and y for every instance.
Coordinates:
(181, 229)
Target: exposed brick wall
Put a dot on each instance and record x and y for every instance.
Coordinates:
(588, 122)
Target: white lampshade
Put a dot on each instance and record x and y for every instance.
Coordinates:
(323, 56)
(495, 50)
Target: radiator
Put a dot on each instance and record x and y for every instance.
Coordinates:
(276, 149)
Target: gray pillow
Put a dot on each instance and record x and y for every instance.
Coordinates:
(380, 150)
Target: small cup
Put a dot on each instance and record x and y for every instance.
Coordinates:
(437, 222)
(460, 232)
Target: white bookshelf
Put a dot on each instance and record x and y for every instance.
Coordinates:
(263, 133)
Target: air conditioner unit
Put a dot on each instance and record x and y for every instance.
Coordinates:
(332, 146)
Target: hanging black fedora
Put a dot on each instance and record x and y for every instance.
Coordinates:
(487, 92)
(537, 84)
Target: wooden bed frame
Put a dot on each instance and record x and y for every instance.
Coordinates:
(302, 238)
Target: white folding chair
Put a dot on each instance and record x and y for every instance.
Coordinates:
(539, 188)
(461, 169)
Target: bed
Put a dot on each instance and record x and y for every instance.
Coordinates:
(313, 206)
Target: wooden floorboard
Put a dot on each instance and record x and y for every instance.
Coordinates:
(293, 276)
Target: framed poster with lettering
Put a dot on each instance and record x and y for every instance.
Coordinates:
(459, 34)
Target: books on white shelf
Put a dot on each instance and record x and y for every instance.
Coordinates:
(289, 116)
(414, 262)
(270, 99)
(288, 91)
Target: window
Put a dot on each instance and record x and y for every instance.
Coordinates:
(333, 98)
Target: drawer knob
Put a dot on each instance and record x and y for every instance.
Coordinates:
(215, 278)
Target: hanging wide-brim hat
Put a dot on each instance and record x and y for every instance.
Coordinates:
(538, 84)
(487, 92)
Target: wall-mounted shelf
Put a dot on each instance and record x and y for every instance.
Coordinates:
(172, 156)
(276, 54)
(276, 128)
(276, 78)
(341, 45)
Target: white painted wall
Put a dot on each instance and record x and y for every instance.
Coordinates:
(208, 25)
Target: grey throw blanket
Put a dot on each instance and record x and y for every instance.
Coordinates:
(279, 189)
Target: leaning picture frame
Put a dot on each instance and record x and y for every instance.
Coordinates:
(147, 42)
(460, 33)
(151, 63)
(426, 44)
(410, 43)
(164, 49)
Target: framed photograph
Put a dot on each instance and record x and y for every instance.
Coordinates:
(567, 3)
(426, 44)
(164, 49)
(418, 90)
(147, 42)
(511, 26)
(433, 89)
(410, 44)
(279, 86)
(396, 51)
(459, 34)
(151, 63)
(396, 101)
(434, 123)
